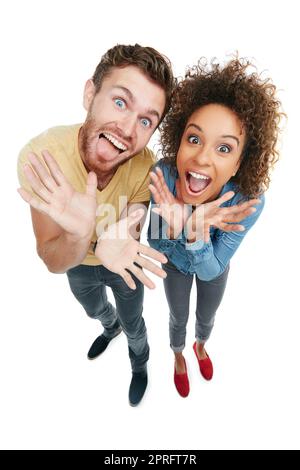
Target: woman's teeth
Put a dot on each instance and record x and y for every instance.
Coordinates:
(197, 182)
(198, 176)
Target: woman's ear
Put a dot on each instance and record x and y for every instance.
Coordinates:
(88, 95)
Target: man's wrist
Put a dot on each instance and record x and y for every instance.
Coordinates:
(75, 239)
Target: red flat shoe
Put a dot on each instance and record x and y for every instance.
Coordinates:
(181, 382)
(206, 367)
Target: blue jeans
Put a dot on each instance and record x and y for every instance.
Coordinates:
(88, 284)
(209, 295)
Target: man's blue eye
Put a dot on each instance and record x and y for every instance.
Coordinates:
(224, 149)
(146, 122)
(120, 103)
(193, 139)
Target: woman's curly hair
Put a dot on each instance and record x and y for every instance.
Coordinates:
(249, 96)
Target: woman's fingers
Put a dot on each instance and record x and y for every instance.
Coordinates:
(206, 233)
(245, 205)
(157, 210)
(155, 193)
(231, 227)
(158, 186)
(166, 192)
(223, 198)
(241, 215)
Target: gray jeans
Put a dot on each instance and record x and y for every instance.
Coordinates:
(209, 295)
(88, 284)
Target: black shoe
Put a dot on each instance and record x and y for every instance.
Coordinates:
(137, 387)
(100, 344)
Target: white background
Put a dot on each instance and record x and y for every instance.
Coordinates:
(52, 397)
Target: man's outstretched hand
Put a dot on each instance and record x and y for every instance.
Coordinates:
(73, 211)
(120, 252)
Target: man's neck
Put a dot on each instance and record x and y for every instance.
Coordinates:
(104, 180)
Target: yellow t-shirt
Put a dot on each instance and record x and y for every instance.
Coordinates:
(129, 184)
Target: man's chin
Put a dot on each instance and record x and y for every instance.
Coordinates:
(106, 164)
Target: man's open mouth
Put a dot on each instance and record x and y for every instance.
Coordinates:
(196, 182)
(113, 141)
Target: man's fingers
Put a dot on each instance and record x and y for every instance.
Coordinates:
(91, 184)
(41, 171)
(152, 253)
(38, 205)
(153, 268)
(36, 183)
(54, 168)
(128, 279)
(142, 277)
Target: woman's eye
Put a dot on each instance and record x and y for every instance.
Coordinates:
(193, 139)
(224, 148)
(146, 122)
(120, 103)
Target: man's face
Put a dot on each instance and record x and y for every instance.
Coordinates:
(121, 118)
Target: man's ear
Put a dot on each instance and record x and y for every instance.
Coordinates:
(88, 95)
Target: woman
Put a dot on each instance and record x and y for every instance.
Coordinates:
(219, 145)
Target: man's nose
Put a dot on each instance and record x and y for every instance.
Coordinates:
(128, 125)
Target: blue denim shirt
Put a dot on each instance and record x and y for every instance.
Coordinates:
(206, 260)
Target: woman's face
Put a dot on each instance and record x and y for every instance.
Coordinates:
(209, 153)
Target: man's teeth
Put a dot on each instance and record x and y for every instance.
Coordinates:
(114, 141)
(198, 176)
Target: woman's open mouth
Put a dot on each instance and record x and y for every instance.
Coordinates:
(196, 182)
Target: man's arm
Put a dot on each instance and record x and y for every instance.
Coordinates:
(63, 219)
(59, 250)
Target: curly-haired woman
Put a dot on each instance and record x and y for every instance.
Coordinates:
(219, 145)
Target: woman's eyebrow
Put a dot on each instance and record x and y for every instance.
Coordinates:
(223, 136)
(232, 137)
(194, 125)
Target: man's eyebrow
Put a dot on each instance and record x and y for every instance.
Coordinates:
(130, 96)
(224, 136)
(126, 91)
(154, 113)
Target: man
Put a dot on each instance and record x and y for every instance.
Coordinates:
(103, 163)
